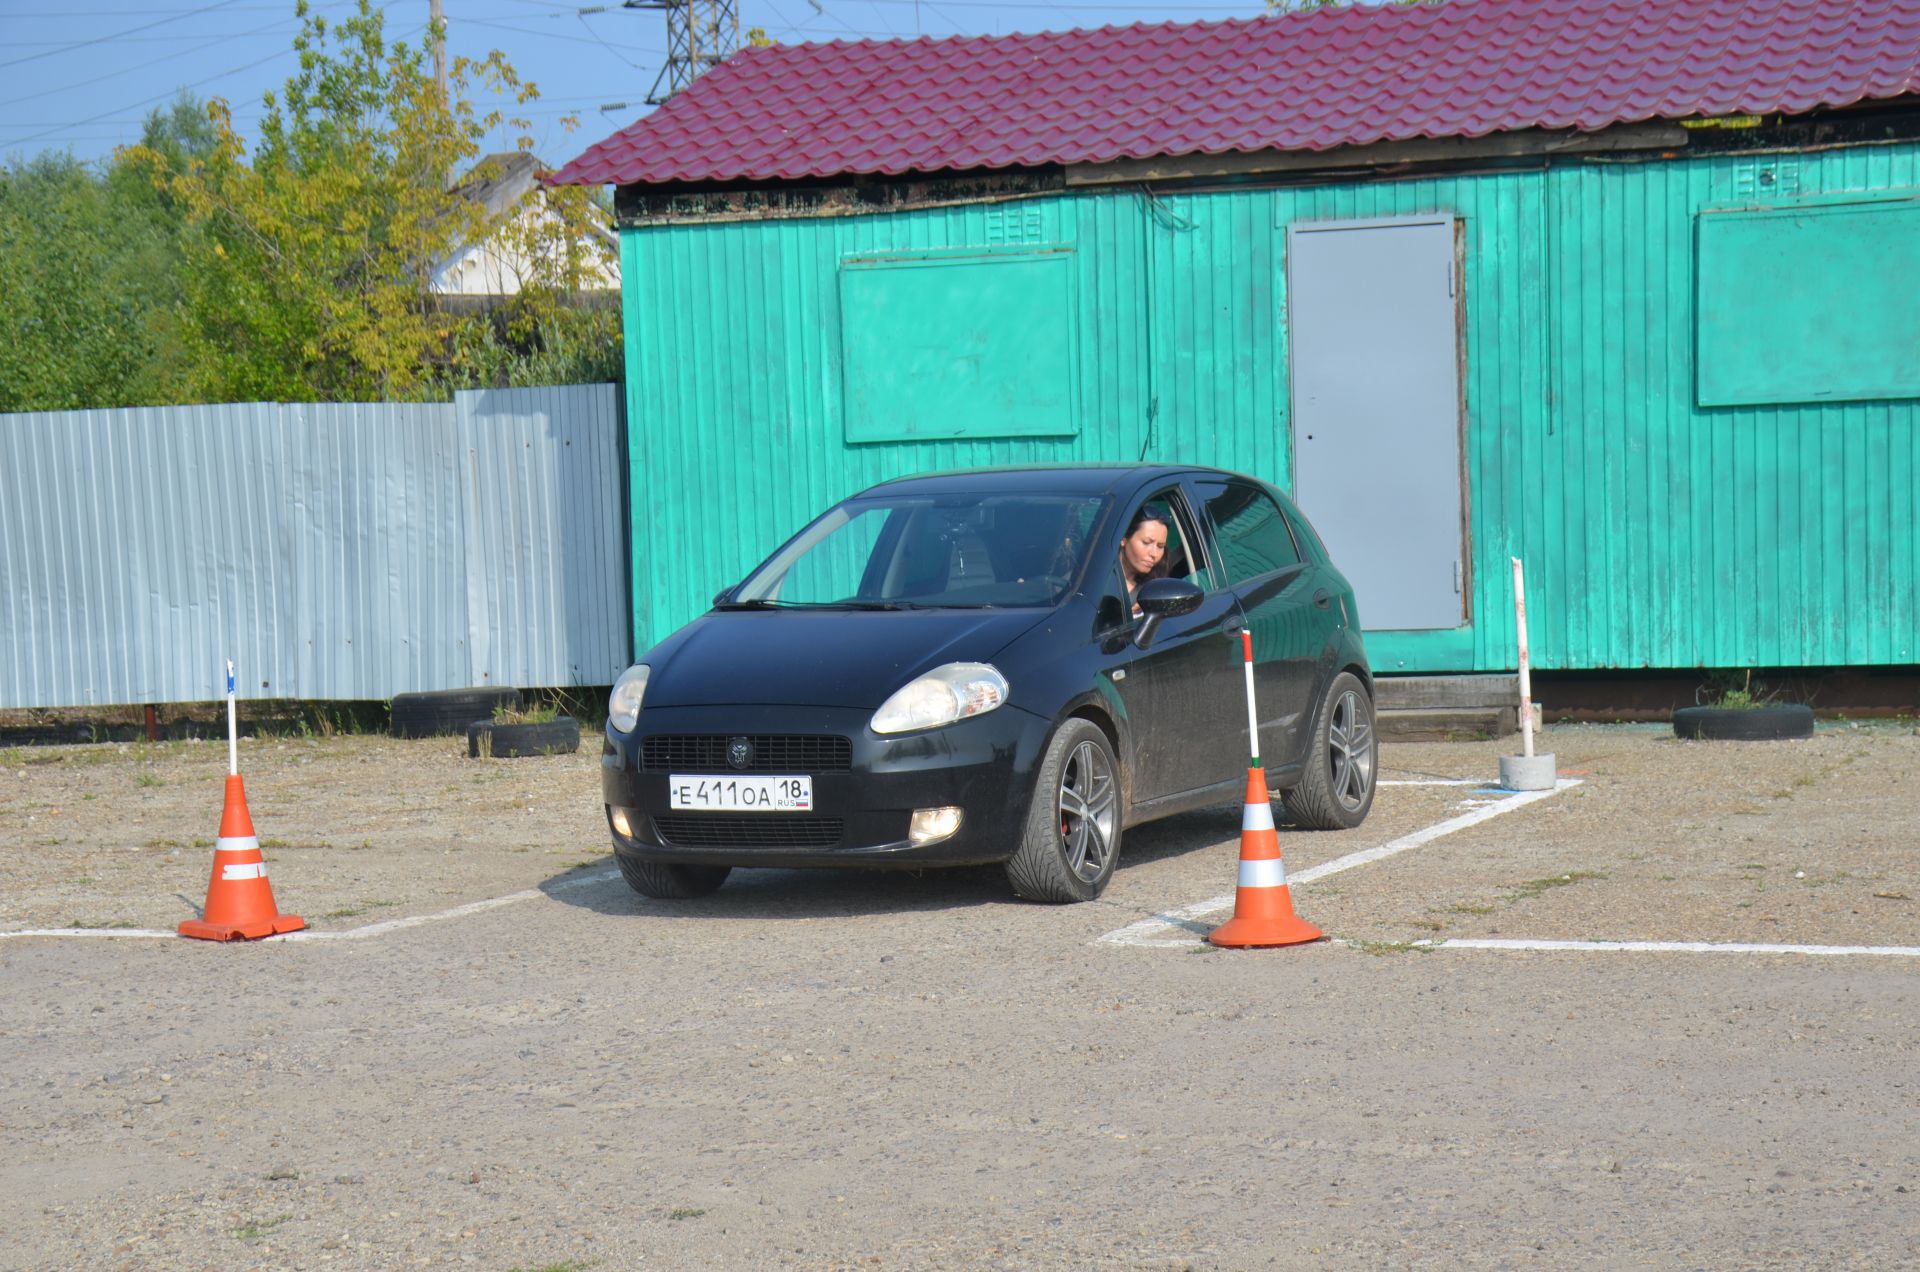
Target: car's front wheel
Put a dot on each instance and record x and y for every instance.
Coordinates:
(1336, 789)
(666, 882)
(1072, 837)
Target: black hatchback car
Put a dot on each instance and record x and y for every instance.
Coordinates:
(965, 668)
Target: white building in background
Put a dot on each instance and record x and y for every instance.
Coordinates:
(508, 184)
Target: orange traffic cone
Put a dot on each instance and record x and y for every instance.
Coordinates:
(1262, 905)
(239, 898)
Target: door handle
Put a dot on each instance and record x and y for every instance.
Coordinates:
(1323, 598)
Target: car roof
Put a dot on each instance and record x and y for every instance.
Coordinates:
(1053, 479)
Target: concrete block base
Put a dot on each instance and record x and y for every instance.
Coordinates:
(1527, 773)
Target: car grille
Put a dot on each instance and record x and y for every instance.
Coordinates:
(755, 830)
(772, 753)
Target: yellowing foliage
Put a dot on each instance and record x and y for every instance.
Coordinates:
(311, 280)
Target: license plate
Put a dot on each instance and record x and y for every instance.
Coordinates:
(740, 794)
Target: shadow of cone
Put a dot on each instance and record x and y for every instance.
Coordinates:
(239, 898)
(1262, 904)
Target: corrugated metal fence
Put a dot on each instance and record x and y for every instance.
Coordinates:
(333, 551)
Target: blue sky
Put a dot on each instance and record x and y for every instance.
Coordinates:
(81, 75)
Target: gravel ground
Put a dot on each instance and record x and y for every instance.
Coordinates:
(827, 1070)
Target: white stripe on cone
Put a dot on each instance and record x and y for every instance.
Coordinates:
(1257, 817)
(245, 870)
(247, 843)
(1262, 873)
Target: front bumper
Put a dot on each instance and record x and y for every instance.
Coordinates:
(984, 766)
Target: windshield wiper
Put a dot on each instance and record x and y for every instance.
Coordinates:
(758, 603)
(879, 605)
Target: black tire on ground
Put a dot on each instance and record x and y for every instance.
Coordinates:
(1336, 787)
(560, 736)
(665, 882)
(1771, 723)
(1072, 837)
(426, 715)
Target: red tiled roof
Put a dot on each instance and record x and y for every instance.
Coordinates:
(1301, 81)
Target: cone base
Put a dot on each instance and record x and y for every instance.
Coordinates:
(1261, 933)
(201, 930)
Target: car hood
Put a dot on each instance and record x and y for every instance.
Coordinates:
(820, 658)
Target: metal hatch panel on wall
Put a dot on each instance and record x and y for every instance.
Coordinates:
(1373, 322)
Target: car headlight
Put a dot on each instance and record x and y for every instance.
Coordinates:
(623, 704)
(942, 696)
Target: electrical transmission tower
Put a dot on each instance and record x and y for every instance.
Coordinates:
(700, 34)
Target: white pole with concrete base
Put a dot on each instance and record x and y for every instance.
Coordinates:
(1526, 771)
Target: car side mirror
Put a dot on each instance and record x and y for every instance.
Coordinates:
(723, 594)
(1162, 599)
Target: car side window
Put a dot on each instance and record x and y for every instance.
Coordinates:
(1184, 558)
(1251, 531)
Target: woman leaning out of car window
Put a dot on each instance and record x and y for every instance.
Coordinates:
(1143, 550)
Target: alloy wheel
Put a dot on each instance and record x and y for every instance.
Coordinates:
(1088, 807)
(1350, 750)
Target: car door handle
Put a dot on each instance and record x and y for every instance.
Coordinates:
(1323, 598)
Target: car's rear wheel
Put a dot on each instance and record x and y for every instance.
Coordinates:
(665, 882)
(1072, 837)
(1336, 788)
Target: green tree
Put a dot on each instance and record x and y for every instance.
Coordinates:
(307, 277)
(86, 289)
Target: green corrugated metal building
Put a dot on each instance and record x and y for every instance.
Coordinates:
(1673, 365)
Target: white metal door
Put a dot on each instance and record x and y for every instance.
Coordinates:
(1373, 328)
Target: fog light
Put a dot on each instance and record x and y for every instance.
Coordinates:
(622, 826)
(931, 825)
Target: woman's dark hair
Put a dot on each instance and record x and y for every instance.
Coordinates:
(1144, 513)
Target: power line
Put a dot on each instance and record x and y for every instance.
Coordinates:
(140, 39)
(148, 101)
(169, 57)
(102, 39)
(555, 35)
(141, 13)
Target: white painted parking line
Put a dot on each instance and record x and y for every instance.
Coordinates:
(359, 933)
(1666, 947)
(1180, 928)
(1429, 781)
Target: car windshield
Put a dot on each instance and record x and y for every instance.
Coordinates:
(947, 551)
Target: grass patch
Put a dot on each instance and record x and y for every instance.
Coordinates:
(1471, 909)
(269, 843)
(533, 713)
(1535, 887)
(255, 1228)
(352, 910)
(315, 720)
(685, 1212)
(147, 779)
(90, 926)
